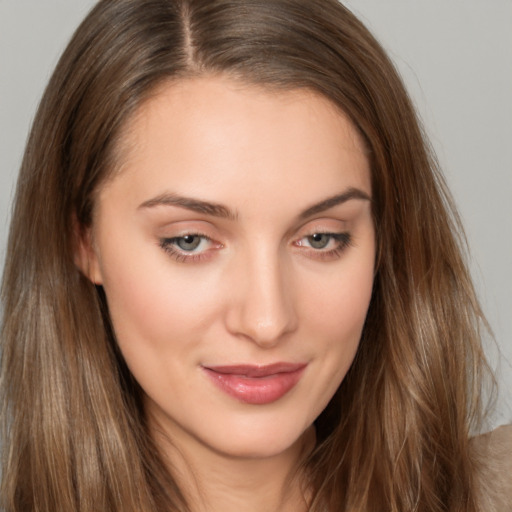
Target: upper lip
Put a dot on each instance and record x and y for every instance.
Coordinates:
(254, 371)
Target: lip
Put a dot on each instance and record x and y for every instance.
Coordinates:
(255, 384)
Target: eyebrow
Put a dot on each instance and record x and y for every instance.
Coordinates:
(189, 203)
(331, 202)
(219, 210)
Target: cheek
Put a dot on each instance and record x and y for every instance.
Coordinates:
(339, 309)
(334, 312)
(340, 302)
(154, 307)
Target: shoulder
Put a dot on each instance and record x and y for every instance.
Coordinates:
(492, 454)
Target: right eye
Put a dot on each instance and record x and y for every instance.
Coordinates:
(190, 247)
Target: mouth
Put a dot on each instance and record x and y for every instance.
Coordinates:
(253, 384)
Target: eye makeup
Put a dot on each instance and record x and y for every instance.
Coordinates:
(196, 247)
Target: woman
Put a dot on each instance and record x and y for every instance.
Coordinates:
(220, 291)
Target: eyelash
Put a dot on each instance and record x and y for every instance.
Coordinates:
(343, 241)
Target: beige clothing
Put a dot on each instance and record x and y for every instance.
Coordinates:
(494, 469)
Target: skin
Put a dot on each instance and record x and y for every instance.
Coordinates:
(256, 291)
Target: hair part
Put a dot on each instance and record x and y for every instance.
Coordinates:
(395, 435)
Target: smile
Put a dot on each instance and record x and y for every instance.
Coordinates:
(256, 385)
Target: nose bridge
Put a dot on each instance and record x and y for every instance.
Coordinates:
(263, 307)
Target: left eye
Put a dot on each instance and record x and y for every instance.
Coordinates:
(322, 241)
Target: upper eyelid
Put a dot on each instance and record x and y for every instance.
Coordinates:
(182, 227)
(191, 227)
(183, 235)
(186, 232)
(323, 223)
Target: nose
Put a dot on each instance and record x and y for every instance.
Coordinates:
(262, 305)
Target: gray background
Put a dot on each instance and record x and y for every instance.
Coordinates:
(456, 58)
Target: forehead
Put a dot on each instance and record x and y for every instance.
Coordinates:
(210, 133)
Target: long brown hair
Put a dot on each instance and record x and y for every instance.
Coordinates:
(395, 435)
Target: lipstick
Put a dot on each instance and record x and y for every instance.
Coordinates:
(253, 384)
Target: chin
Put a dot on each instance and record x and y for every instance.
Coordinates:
(258, 441)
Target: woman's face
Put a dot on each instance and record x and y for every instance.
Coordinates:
(236, 250)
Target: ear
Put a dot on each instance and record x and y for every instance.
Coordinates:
(86, 254)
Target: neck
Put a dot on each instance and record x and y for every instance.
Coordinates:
(214, 482)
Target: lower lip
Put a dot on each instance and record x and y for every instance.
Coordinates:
(255, 390)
